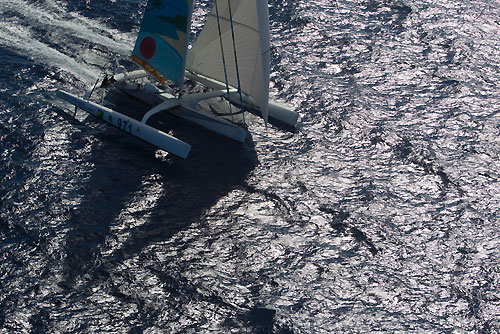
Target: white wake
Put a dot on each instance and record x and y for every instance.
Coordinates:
(20, 25)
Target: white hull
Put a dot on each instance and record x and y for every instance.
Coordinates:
(130, 125)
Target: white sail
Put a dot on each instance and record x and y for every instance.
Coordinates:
(250, 21)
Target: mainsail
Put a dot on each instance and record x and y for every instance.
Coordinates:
(248, 22)
(161, 45)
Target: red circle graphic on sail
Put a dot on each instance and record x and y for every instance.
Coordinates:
(148, 47)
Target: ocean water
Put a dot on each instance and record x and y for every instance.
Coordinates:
(380, 213)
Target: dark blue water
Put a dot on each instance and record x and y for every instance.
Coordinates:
(379, 214)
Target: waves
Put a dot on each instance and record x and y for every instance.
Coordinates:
(379, 214)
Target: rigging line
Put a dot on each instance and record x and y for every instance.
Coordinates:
(235, 57)
(223, 59)
(186, 43)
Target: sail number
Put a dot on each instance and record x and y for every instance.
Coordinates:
(124, 125)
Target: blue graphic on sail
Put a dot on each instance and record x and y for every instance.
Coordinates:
(161, 45)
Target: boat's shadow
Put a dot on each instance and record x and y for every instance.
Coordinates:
(150, 197)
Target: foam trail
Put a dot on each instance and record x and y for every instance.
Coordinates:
(19, 38)
(71, 23)
(16, 32)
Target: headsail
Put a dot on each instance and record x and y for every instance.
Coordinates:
(251, 30)
(161, 45)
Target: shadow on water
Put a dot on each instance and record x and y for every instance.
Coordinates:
(216, 165)
(189, 188)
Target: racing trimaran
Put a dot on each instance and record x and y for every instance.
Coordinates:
(231, 57)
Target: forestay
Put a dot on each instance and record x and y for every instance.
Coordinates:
(250, 21)
(161, 45)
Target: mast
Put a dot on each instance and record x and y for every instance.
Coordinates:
(265, 54)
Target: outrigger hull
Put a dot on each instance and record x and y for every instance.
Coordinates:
(130, 125)
(185, 107)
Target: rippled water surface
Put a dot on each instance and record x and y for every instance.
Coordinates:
(379, 214)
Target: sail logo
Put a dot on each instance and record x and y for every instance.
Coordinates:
(148, 47)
